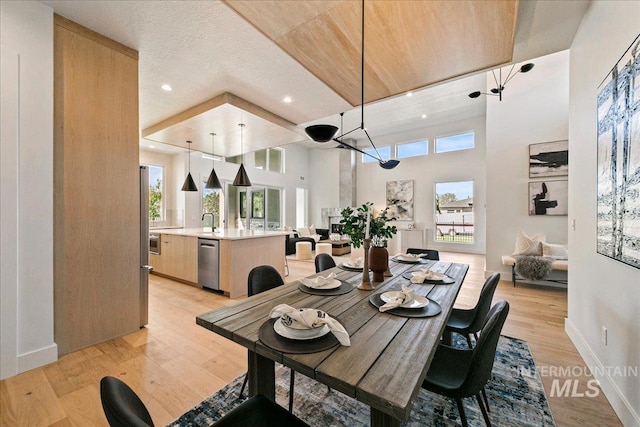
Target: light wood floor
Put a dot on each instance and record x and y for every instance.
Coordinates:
(173, 364)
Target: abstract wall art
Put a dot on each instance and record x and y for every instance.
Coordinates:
(549, 159)
(618, 210)
(400, 199)
(549, 197)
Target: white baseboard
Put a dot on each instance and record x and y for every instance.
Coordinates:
(37, 358)
(628, 416)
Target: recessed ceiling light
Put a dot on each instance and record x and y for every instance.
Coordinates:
(152, 146)
(287, 99)
(409, 93)
(166, 87)
(424, 116)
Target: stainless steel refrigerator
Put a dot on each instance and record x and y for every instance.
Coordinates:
(145, 268)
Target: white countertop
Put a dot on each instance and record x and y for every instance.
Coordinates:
(220, 234)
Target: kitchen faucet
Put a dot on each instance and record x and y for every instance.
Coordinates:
(212, 220)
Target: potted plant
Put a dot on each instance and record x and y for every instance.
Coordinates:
(356, 223)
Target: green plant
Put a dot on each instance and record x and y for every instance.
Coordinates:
(155, 201)
(354, 224)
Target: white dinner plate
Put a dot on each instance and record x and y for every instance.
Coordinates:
(417, 302)
(408, 259)
(299, 334)
(333, 285)
(350, 265)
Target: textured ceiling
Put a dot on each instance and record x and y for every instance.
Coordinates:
(204, 49)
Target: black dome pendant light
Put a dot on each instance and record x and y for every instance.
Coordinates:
(325, 133)
(189, 184)
(242, 179)
(213, 182)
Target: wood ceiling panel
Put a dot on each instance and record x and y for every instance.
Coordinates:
(409, 44)
(221, 115)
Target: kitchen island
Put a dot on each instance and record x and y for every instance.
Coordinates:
(238, 252)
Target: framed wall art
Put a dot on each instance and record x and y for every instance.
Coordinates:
(549, 197)
(618, 199)
(549, 159)
(400, 199)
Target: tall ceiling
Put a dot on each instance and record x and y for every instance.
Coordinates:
(309, 50)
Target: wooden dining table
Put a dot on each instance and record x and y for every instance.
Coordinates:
(389, 355)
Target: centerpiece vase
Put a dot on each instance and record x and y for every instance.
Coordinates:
(379, 262)
(366, 285)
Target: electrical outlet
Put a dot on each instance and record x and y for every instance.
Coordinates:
(604, 335)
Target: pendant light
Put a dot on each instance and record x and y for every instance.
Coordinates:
(189, 184)
(213, 181)
(325, 133)
(497, 91)
(242, 179)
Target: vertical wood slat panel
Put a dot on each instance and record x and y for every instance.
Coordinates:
(96, 191)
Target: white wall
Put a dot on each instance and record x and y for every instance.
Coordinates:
(425, 171)
(534, 109)
(324, 174)
(602, 292)
(26, 187)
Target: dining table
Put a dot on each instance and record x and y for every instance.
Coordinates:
(389, 352)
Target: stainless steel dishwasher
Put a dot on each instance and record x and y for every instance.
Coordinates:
(208, 263)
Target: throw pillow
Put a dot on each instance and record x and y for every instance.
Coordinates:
(312, 230)
(304, 232)
(555, 251)
(526, 245)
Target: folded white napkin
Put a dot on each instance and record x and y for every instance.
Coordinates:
(403, 297)
(313, 318)
(319, 282)
(426, 274)
(407, 257)
(356, 262)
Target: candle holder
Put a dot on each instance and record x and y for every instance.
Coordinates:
(365, 285)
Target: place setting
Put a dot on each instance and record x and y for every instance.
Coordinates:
(354, 264)
(428, 276)
(410, 258)
(405, 303)
(324, 285)
(301, 330)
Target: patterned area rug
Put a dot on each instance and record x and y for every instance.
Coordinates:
(515, 393)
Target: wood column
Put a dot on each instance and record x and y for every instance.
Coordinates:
(96, 188)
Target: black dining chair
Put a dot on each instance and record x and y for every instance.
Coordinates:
(123, 408)
(432, 254)
(468, 322)
(324, 262)
(460, 373)
(261, 279)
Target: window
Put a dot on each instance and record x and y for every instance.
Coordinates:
(233, 159)
(463, 141)
(385, 154)
(266, 205)
(156, 189)
(413, 149)
(212, 202)
(454, 212)
(270, 159)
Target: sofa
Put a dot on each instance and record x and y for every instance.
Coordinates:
(292, 239)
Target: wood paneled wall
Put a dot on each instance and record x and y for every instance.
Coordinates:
(96, 188)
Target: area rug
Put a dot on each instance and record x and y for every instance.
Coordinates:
(515, 392)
